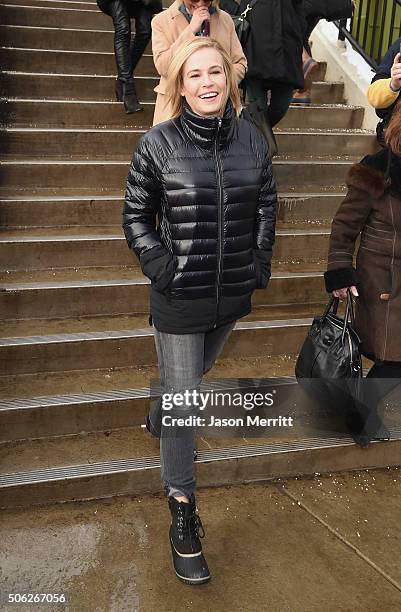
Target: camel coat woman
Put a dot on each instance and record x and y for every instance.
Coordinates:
(170, 29)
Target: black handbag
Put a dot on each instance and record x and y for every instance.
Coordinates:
(331, 353)
(241, 24)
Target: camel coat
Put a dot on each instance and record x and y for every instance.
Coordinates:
(371, 209)
(170, 29)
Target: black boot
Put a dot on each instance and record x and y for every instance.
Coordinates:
(130, 99)
(119, 90)
(185, 530)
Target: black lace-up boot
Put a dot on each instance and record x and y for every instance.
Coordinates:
(185, 533)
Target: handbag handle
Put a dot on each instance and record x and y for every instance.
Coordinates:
(333, 303)
(349, 315)
(349, 312)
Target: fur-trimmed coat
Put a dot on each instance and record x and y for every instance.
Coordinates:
(371, 209)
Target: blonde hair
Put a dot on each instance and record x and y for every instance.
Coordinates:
(175, 77)
(393, 130)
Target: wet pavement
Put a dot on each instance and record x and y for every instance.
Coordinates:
(327, 544)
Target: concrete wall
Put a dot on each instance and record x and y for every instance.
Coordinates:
(345, 65)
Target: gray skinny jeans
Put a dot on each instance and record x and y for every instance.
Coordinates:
(183, 360)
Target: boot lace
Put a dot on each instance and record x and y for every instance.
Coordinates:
(189, 526)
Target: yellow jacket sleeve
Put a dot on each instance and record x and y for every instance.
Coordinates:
(380, 95)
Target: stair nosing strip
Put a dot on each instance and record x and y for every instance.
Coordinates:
(49, 401)
(109, 162)
(49, 8)
(89, 284)
(73, 51)
(28, 27)
(103, 237)
(133, 333)
(85, 284)
(61, 74)
(53, 130)
(61, 101)
(143, 463)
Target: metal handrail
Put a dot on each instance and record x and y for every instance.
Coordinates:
(373, 28)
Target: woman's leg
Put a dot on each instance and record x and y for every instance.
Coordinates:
(180, 359)
(143, 32)
(279, 102)
(122, 38)
(183, 359)
(256, 93)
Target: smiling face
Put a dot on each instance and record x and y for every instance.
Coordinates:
(204, 82)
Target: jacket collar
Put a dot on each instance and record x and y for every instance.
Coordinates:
(205, 130)
(370, 174)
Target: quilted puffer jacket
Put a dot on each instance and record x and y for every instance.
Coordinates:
(200, 215)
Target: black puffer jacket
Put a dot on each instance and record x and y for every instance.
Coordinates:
(200, 215)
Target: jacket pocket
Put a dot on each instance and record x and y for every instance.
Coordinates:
(262, 268)
(159, 266)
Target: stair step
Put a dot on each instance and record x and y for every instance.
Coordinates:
(52, 16)
(64, 39)
(120, 341)
(68, 62)
(37, 249)
(60, 4)
(74, 87)
(47, 176)
(97, 87)
(95, 113)
(73, 114)
(48, 300)
(71, 414)
(99, 380)
(215, 466)
(16, 212)
(119, 143)
(319, 116)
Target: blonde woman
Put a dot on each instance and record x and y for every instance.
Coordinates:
(183, 21)
(206, 176)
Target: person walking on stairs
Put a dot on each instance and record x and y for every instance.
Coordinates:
(274, 54)
(385, 88)
(129, 51)
(372, 209)
(315, 10)
(199, 213)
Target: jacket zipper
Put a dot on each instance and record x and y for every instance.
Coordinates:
(219, 219)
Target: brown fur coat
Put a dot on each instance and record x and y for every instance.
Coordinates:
(371, 210)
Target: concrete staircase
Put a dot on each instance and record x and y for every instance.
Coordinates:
(77, 353)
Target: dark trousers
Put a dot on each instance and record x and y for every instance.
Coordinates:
(280, 98)
(128, 52)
